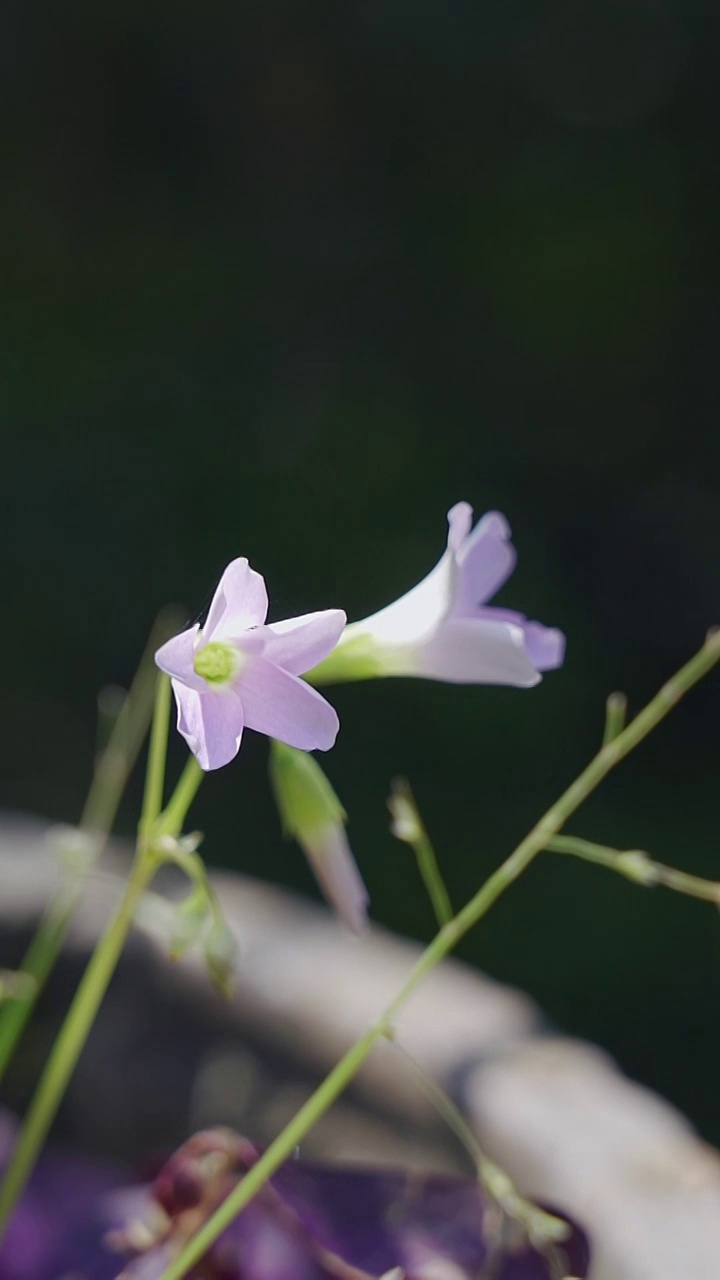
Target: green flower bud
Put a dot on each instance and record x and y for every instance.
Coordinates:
(312, 813)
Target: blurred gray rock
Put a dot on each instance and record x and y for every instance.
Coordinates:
(168, 1055)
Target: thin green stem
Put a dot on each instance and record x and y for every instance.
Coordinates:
(636, 865)
(128, 733)
(189, 861)
(170, 821)
(114, 766)
(496, 1182)
(71, 1040)
(157, 755)
(277, 1153)
(75, 1029)
(408, 826)
(448, 937)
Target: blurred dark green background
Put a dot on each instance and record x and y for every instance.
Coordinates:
(286, 281)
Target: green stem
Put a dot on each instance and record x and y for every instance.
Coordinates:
(408, 826)
(71, 1040)
(98, 816)
(607, 758)
(495, 1180)
(157, 755)
(94, 983)
(171, 820)
(635, 865)
(277, 1153)
(127, 736)
(37, 963)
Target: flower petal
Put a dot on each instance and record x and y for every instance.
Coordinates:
(336, 871)
(459, 520)
(475, 651)
(416, 614)
(297, 644)
(282, 706)
(176, 658)
(240, 601)
(545, 645)
(484, 562)
(210, 722)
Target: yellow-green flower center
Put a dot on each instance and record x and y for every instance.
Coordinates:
(216, 663)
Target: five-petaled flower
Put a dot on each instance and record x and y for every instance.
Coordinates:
(444, 629)
(237, 673)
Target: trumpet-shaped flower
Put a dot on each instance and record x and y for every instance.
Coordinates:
(237, 673)
(444, 629)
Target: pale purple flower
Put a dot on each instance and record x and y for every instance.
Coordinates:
(237, 673)
(444, 629)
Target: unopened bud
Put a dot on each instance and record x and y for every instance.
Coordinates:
(221, 956)
(190, 919)
(405, 821)
(312, 813)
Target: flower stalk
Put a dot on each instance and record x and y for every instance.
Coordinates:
(408, 826)
(609, 756)
(636, 865)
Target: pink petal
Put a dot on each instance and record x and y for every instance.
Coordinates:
(476, 651)
(282, 706)
(176, 657)
(297, 644)
(484, 562)
(240, 601)
(210, 722)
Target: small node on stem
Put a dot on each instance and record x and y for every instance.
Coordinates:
(638, 867)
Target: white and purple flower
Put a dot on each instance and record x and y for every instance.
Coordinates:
(237, 673)
(444, 629)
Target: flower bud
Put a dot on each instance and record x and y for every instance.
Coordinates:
(221, 956)
(311, 812)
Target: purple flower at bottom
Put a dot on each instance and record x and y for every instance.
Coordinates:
(313, 1221)
(238, 673)
(332, 1222)
(444, 628)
